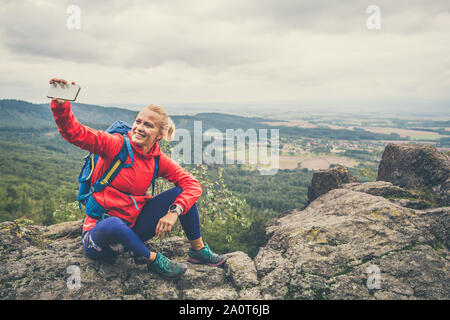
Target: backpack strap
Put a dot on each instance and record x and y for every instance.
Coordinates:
(117, 164)
(155, 173)
(130, 151)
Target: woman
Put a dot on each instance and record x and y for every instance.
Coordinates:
(133, 216)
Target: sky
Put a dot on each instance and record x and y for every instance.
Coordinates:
(231, 55)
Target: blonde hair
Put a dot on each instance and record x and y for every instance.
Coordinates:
(166, 125)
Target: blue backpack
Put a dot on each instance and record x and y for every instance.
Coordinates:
(92, 208)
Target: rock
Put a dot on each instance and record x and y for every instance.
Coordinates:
(328, 179)
(221, 293)
(267, 260)
(434, 224)
(242, 270)
(202, 277)
(171, 247)
(324, 251)
(250, 294)
(65, 229)
(380, 188)
(413, 204)
(419, 167)
(28, 271)
(275, 285)
(395, 194)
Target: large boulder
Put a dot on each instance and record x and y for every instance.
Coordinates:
(422, 168)
(344, 240)
(328, 179)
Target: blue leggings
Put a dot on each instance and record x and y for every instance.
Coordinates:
(96, 242)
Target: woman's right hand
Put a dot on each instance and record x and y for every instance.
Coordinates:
(61, 81)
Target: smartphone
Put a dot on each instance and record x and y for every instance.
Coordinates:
(62, 91)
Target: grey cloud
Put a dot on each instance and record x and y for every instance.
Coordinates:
(42, 31)
(200, 33)
(236, 49)
(326, 16)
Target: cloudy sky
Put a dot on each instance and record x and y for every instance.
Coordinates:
(224, 53)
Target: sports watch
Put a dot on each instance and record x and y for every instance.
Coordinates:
(177, 208)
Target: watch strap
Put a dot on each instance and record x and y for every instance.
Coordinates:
(177, 208)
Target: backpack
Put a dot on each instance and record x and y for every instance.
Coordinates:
(92, 208)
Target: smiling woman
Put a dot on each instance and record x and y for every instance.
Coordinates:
(152, 124)
(130, 215)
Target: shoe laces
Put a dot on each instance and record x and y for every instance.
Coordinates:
(163, 262)
(209, 253)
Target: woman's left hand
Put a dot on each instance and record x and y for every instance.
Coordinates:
(165, 224)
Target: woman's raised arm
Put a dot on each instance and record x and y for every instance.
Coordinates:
(96, 141)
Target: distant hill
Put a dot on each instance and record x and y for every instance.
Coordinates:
(22, 113)
(220, 121)
(25, 115)
(19, 113)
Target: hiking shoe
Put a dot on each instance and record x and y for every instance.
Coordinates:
(166, 268)
(206, 256)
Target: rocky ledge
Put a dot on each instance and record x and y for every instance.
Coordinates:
(372, 240)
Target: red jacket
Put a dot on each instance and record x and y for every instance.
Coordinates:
(134, 180)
